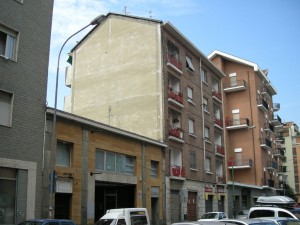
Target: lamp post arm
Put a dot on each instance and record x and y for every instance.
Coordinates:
(96, 21)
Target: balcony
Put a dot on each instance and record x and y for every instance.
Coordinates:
(265, 92)
(219, 150)
(235, 124)
(174, 63)
(240, 164)
(217, 95)
(268, 183)
(279, 153)
(218, 123)
(272, 165)
(68, 76)
(220, 179)
(234, 86)
(280, 138)
(176, 134)
(276, 120)
(175, 97)
(177, 171)
(262, 105)
(276, 107)
(280, 146)
(265, 143)
(269, 128)
(281, 169)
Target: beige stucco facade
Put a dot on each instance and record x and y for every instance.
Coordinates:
(132, 71)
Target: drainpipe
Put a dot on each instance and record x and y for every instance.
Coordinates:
(203, 127)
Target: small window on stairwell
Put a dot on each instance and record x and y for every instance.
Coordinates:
(193, 160)
(189, 64)
(190, 94)
(191, 126)
(8, 42)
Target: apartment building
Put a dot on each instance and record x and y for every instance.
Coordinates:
(144, 76)
(253, 158)
(288, 141)
(25, 28)
(99, 167)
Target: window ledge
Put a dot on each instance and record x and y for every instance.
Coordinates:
(206, 112)
(192, 169)
(191, 102)
(209, 172)
(192, 135)
(207, 141)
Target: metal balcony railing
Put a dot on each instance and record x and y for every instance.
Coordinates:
(218, 122)
(241, 123)
(219, 150)
(265, 143)
(175, 62)
(262, 105)
(217, 94)
(233, 86)
(175, 95)
(239, 164)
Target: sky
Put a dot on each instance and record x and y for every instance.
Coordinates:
(266, 32)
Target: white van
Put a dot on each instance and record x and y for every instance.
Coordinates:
(265, 211)
(125, 216)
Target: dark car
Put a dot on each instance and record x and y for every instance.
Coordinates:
(47, 222)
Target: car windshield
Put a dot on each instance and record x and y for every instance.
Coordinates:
(210, 216)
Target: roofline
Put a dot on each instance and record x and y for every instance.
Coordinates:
(114, 14)
(102, 126)
(169, 27)
(245, 62)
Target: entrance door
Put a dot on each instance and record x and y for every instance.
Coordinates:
(62, 205)
(221, 207)
(209, 203)
(154, 211)
(191, 206)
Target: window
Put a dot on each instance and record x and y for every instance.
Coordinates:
(207, 164)
(190, 94)
(204, 76)
(113, 162)
(205, 104)
(189, 64)
(233, 81)
(191, 126)
(6, 100)
(63, 154)
(206, 133)
(8, 42)
(193, 160)
(154, 169)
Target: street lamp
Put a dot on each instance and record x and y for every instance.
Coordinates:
(95, 21)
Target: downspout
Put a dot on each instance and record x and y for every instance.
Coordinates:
(203, 127)
(253, 142)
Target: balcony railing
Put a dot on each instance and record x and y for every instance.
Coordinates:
(217, 95)
(233, 86)
(272, 165)
(276, 120)
(177, 171)
(218, 122)
(240, 164)
(262, 105)
(265, 92)
(265, 143)
(175, 62)
(220, 179)
(233, 124)
(269, 128)
(279, 153)
(268, 182)
(219, 150)
(276, 107)
(176, 133)
(282, 169)
(175, 95)
(280, 146)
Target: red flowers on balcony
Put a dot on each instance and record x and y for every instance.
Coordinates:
(217, 94)
(218, 122)
(177, 171)
(177, 96)
(174, 62)
(220, 150)
(175, 132)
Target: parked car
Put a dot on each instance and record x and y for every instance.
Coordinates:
(243, 214)
(216, 222)
(47, 222)
(296, 212)
(284, 221)
(268, 211)
(257, 221)
(211, 216)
